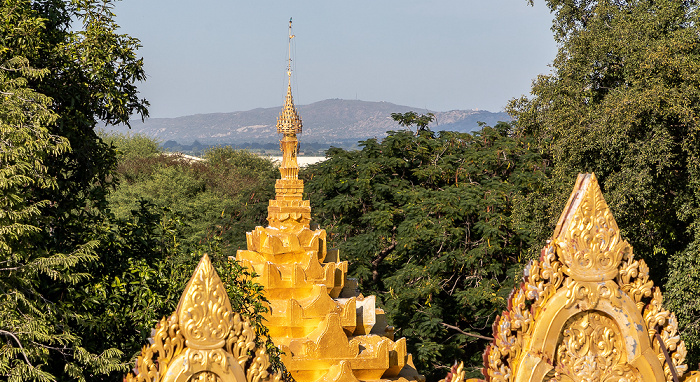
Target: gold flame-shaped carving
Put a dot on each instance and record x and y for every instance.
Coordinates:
(588, 242)
(203, 340)
(205, 313)
(457, 374)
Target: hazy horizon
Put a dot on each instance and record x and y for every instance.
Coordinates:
(417, 109)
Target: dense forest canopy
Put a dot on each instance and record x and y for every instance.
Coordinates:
(426, 222)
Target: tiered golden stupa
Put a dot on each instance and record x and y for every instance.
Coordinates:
(326, 331)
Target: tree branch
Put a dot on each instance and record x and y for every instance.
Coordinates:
(5, 332)
(380, 257)
(465, 333)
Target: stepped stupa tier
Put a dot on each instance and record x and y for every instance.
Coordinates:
(327, 331)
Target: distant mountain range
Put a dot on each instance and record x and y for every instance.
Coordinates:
(333, 121)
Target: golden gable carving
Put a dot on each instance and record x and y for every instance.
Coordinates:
(590, 350)
(204, 340)
(586, 310)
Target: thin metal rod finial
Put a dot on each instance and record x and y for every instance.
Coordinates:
(289, 52)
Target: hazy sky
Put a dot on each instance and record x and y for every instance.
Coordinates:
(223, 55)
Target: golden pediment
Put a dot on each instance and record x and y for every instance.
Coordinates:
(204, 340)
(591, 349)
(586, 310)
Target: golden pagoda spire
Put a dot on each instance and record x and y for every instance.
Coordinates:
(289, 123)
(288, 210)
(327, 331)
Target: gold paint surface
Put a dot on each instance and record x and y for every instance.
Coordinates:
(205, 376)
(589, 244)
(288, 121)
(586, 310)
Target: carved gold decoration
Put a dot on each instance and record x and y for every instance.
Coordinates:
(456, 373)
(288, 121)
(205, 376)
(591, 350)
(327, 331)
(634, 279)
(657, 318)
(586, 310)
(589, 243)
(205, 313)
(577, 291)
(204, 340)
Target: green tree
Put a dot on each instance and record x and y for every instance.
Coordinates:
(143, 270)
(32, 327)
(425, 221)
(411, 118)
(224, 195)
(93, 75)
(623, 101)
(131, 146)
(76, 280)
(57, 80)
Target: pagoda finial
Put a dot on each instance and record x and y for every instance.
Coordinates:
(288, 210)
(289, 123)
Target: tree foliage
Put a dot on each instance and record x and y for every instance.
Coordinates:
(623, 101)
(143, 268)
(77, 282)
(32, 327)
(425, 221)
(223, 196)
(411, 118)
(38, 265)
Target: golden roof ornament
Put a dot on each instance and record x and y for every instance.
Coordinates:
(288, 209)
(586, 310)
(288, 122)
(204, 340)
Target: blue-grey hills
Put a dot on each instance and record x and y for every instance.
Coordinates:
(332, 121)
